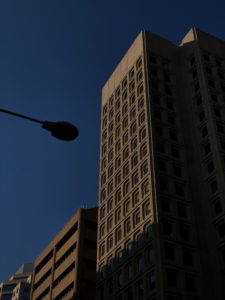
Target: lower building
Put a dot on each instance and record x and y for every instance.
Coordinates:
(66, 269)
(18, 286)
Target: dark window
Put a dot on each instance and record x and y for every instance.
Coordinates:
(221, 229)
(213, 186)
(151, 281)
(207, 149)
(204, 131)
(199, 100)
(218, 207)
(210, 167)
(140, 289)
(167, 227)
(190, 283)
(169, 252)
(171, 276)
(187, 257)
(184, 232)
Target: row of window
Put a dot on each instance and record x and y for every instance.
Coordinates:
(118, 216)
(125, 190)
(121, 231)
(128, 80)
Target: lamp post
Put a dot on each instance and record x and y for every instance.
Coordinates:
(62, 130)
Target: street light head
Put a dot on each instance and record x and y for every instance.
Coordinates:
(62, 130)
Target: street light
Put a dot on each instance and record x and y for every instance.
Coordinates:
(62, 130)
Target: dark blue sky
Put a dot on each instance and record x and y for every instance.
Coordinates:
(55, 56)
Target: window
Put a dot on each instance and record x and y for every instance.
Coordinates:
(102, 250)
(143, 133)
(145, 188)
(144, 168)
(103, 195)
(109, 223)
(118, 196)
(110, 187)
(110, 204)
(143, 151)
(102, 230)
(134, 144)
(125, 138)
(204, 131)
(171, 276)
(125, 153)
(126, 170)
(221, 229)
(117, 179)
(140, 289)
(181, 210)
(136, 197)
(131, 86)
(125, 123)
(127, 226)
(124, 95)
(128, 272)
(102, 212)
(217, 206)
(150, 255)
(109, 243)
(127, 206)
(175, 152)
(146, 208)
(118, 234)
(119, 279)
(167, 228)
(126, 187)
(139, 76)
(133, 128)
(169, 252)
(213, 186)
(117, 162)
(140, 263)
(118, 215)
(134, 160)
(190, 283)
(117, 147)
(151, 280)
(132, 99)
(118, 132)
(141, 103)
(110, 155)
(117, 119)
(137, 217)
(124, 83)
(124, 109)
(184, 232)
(135, 178)
(133, 113)
(187, 257)
(142, 118)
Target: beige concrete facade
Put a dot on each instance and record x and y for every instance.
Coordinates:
(161, 221)
(66, 269)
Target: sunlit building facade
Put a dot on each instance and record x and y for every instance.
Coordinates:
(66, 269)
(161, 222)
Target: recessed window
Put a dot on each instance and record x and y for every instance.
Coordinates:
(144, 168)
(175, 152)
(181, 210)
(136, 197)
(201, 116)
(151, 281)
(127, 226)
(125, 153)
(165, 204)
(167, 227)
(131, 86)
(143, 151)
(213, 186)
(169, 252)
(145, 188)
(140, 289)
(127, 206)
(118, 234)
(126, 170)
(171, 276)
(131, 73)
(210, 167)
(126, 187)
(137, 218)
(133, 128)
(146, 208)
(134, 144)
(217, 206)
(199, 100)
(141, 103)
(190, 283)
(184, 232)
(204, 131)
(221, 229)
(220, 128)
(179, 189)
(187, 257)
(134, 160)
(207, 149)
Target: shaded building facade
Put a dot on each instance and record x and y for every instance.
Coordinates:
(161, 220)
(66, 269)
(18, 286)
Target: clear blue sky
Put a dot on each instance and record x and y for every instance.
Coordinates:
(55, 56)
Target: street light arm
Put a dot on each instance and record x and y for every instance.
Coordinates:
(62, 130)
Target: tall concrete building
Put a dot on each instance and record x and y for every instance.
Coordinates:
(18, 286)
(66, 269)
(162, 194)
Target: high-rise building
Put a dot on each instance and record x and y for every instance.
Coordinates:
(162, 172)
(18, 286)
(66, 269)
